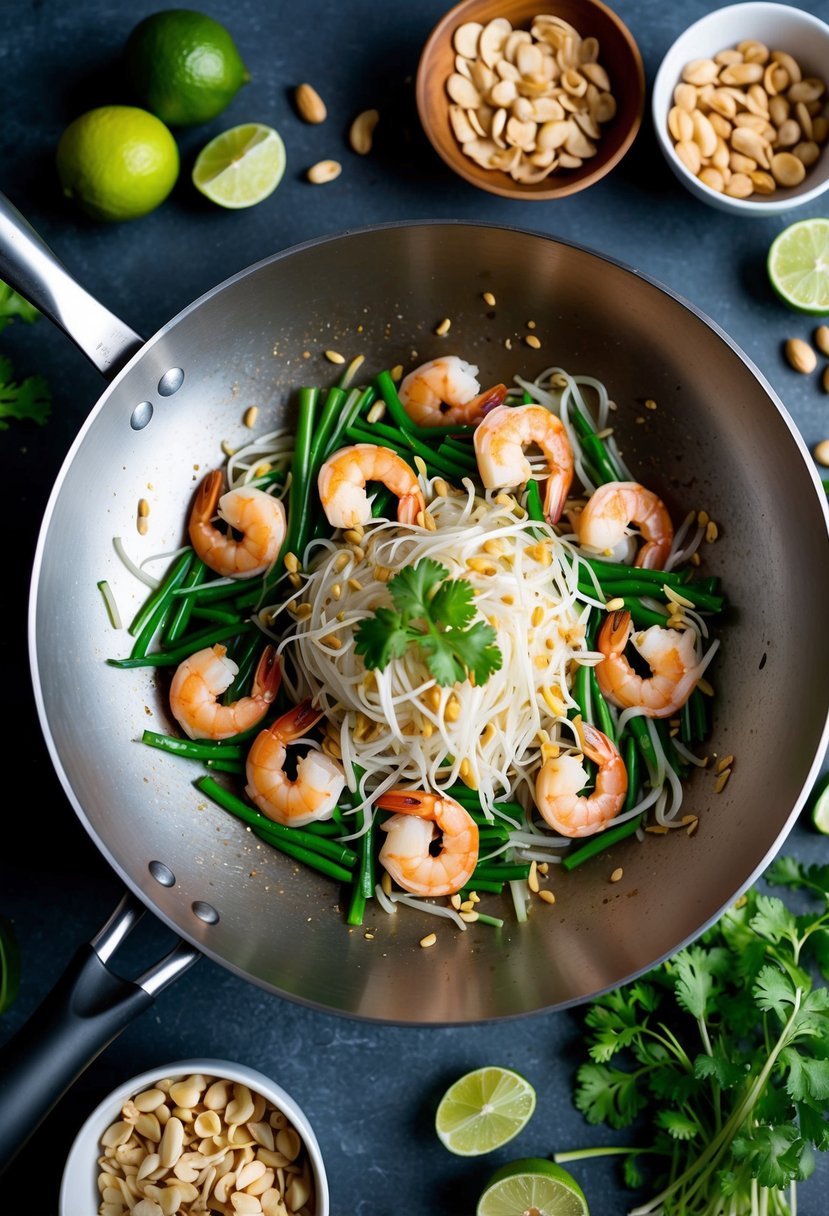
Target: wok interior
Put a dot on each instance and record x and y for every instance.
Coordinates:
(716, 441)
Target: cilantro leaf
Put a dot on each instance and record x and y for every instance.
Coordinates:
(13, 305)
(411, 587)
(608, 1095)
(381, 638)
(774, 991)
(773, 1154)
(696, 970)
(808, 1079)
(678, 1125)
(453, 603)
(774, 921)
(29, 399)
(436, 614)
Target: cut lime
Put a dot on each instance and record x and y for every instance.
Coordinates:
(532, 1185)
(820, 805)
(483, 1110)
(241, 166)
(798, 266)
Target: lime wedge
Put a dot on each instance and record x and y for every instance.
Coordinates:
(798, 266)
(241, 166)
(532, 1185)
(483, 1110)
(820, 805)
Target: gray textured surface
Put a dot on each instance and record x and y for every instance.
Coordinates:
(370, 1091)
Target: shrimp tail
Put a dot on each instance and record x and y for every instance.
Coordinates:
(268, 676)
(207, 497)
(596, 745)
(403, 802)
(614, 633)
(480, 406)
(295, 723)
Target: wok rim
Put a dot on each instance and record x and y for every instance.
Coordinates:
(329, 238)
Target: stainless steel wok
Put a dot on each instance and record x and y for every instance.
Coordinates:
(720, 438)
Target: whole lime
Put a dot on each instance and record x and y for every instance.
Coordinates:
(117, 162)
(183, 66)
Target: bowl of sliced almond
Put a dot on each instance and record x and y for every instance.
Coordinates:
(530, 100)
(740, 107)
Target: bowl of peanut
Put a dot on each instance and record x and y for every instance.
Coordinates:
(528, 99)
(740, 106)
(195, 1136)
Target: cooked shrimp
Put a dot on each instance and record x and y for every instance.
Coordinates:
(313, 793)
(258, 516)
(446, 392)
(344, 476)
(202, 678)
(425, 822)
(613, 507)
(560, 779)
(670, 654)
(499, 447)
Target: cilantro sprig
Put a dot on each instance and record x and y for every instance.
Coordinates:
(24, 399)
(720, 1058)
(435, 613)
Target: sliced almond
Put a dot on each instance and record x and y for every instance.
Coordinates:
(789, 63)
(704, 134)
(492, 39)
(680, 123)
(552, 135)
(597, 75)
(503, 93)
(604, 108)
(689, 153)
(700, 71)
(465, 39)
(529, 59)
(461, 125)
(685, 96)
(463, 91)
(577, 144)
(514, 40)
(481, 151)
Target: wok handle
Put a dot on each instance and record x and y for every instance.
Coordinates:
(88, 1008)
(28, 265)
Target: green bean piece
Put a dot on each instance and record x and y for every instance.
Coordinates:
(159, 607)
(468, 463)
(534, 508)
(686, 729)
(636, 588)
(356, 903)
(581, 695)
(699, 716)
(527, 398)
(487, 885)
(236, 767)
(179, 620)
(323, 827)
(278, 833)
(299, 524)
(246, 660)
(193, 749)
(363, 884)
(313, 860)
(606, 571)
(603, 464)
(359, 433)
(601, 710)
(711, 584)
(383, 505)
(354, 407)
(188, 646)
(331, 411)
(503, 871)
(604, 840)
(638, 727)
(632, 769)
(484, 919)
(388, 392)
(642, 616)
(214, 614)
(216, 590)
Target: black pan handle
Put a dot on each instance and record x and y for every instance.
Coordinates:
(88, 1008)
(28, 265)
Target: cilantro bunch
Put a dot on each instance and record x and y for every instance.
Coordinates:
(29, 398)
(436, 614)
(721, 1056)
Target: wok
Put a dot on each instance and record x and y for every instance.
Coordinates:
(720, 438)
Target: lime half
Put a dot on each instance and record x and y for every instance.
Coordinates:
(241, 166)
(820, 805)
(483, 1110)
(798, 266)
(532, 1185)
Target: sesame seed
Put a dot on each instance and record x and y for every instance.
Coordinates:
(368, 935)
(615, 604)
(250, 415)
(396, 372)
(488, 298)
(444, 327)
(547, 896)
(531, 325)
(617, 874)
(428, 940)
(533, 341)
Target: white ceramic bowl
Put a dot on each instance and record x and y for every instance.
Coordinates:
(780, 27)
(79, 1193)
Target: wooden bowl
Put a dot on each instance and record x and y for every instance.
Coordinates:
(618, 54)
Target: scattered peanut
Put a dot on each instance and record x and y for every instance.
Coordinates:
(528, 102)
(361, 134)
(745, 122)
(824, 380)
(195, 1143)
(822, 452)
(324, 171)
(822, 339)
(310, 105)
(801, 356)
